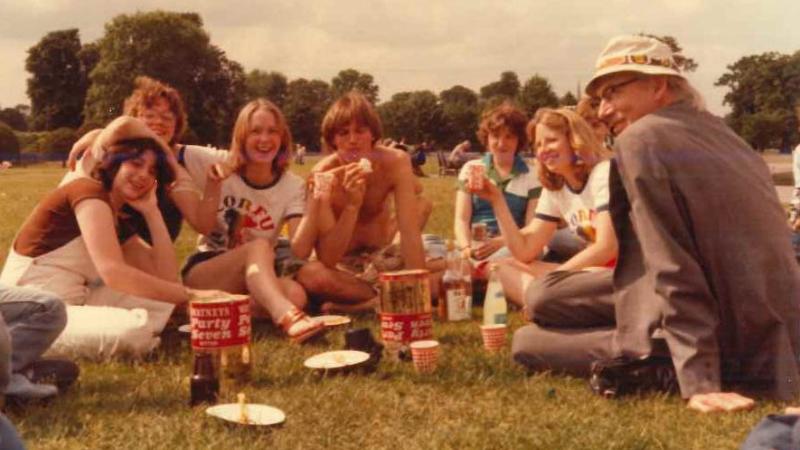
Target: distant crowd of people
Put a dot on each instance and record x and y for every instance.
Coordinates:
(646, 233)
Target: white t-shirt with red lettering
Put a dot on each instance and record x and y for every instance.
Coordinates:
(246, 211)
(578, 209)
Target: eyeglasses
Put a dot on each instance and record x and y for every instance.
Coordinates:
(610, 91)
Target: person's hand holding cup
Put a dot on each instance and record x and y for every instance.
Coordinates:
(323, 184)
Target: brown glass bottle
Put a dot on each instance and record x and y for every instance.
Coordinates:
(205, 383)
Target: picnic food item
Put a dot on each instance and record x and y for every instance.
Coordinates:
(495, 308)
(455, 299)
(405, 308)
(204, 384)
(242, 408)
(221, 327)
(475, 176)
(720, 401)
(365, 165)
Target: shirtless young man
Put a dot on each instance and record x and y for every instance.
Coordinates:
(356, 218)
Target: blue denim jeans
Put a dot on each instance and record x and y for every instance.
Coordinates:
(9, 439)
(33, 319)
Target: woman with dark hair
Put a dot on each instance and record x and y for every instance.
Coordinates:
(161, 109)
(257, 197)
(573, 169)
(70, 246)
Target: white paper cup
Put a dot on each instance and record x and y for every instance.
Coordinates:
(323, 181)
(494, 337)
(425, 355)
(475, 175)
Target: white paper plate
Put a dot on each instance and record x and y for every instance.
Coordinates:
(336, 360)
(333, 320)
(256, 414)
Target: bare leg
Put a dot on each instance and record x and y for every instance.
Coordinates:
(516, 276)
(334, 285)
(295, 292)
(137, 253)
(248, 268)
(367, 306)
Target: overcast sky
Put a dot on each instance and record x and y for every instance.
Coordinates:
(428, 44)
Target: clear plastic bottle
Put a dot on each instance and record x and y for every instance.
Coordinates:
(495, 308)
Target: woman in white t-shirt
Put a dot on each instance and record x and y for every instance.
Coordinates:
(573, 169)
(256, 195)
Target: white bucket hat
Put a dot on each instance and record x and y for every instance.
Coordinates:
(633, 53)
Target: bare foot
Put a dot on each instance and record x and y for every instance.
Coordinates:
(333, 307)
(720, 402)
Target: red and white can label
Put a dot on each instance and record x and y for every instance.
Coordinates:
(220, 324)
(405, 328)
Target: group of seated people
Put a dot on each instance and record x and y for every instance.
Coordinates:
(674, 244)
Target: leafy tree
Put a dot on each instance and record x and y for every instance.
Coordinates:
(58, 142)
(460, 111)
(684, 63)
(459, 94)
(58, 82)
(537, 93)
(306, 103)
(351, 79)
(413, 116)
(14, 118)
(763, 93)
(9, 144)
(568, 99)
(506, 87)
(173, 48)
(269, 85)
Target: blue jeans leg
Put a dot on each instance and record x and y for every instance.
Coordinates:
(35, 318)
(9, 439)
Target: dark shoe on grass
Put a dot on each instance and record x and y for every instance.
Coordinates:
(616, 377)
(60, 372)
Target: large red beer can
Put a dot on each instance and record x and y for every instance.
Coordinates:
(405, 308)
(222, 327)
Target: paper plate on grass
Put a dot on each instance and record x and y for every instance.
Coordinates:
(254, 414)
(336, 360)
(333, 320)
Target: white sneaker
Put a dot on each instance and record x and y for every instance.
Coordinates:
(21, 387)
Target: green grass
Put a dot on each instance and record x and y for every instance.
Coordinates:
(474, 399)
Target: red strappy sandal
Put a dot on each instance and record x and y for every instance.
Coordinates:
(299, 327)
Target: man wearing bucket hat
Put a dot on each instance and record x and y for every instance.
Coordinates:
(705, 264)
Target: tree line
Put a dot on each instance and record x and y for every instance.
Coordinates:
(75, 86)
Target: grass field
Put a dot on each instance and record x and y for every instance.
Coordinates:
(474, 400)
